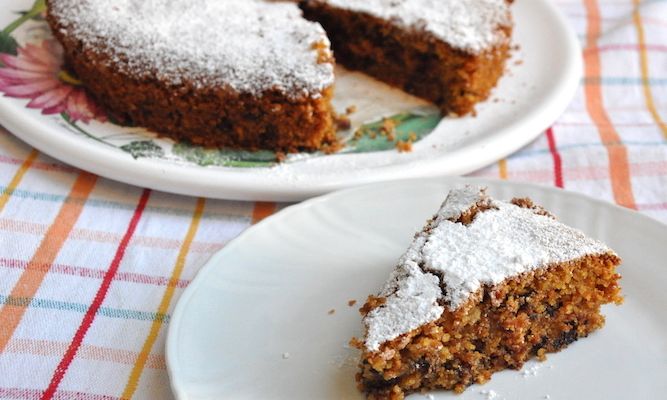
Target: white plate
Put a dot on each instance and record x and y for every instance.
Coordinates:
(529, 98)
(269, 293)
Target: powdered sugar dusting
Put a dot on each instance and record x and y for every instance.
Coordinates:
(500, 243)
(459, 201)
(251, 46)
(471, 25)
(411, 300)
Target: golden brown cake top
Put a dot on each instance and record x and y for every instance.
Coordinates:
(250, 46)
(469, 25)
(460, 251)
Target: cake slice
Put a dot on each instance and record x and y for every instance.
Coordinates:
(451, 52)
(485, 286)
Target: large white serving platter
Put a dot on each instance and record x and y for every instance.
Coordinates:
(541, 79)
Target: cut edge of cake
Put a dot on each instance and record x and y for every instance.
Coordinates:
(453, 55)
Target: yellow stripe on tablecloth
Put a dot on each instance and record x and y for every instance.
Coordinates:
(14, 183)
(643, 64)
(52, 348)
(502, 169)
(137, 370)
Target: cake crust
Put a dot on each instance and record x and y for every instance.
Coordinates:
(464, 328)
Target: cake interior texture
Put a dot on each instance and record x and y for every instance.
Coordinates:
(416, 60)
(498, 326)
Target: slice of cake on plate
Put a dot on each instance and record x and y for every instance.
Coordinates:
(451, 52)
(485, 286)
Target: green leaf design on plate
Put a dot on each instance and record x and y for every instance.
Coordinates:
(144, 148)
(410, 126)
(224, 158)
(8, 44)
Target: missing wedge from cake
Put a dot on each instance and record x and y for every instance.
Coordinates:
(485, 286)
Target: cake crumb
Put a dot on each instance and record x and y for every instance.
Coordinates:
(351, 110)
(542, 353)
(351, 303)
(342, 122)
(388, 126)
(285, 356)
(404, 146)
(332, 311)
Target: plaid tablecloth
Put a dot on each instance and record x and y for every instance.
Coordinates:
(90, 269)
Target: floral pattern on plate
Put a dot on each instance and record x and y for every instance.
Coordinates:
(32, 68)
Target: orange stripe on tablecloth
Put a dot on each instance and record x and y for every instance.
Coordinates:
(643, 63)
(13, 184)
(502, 169)
(137, 370)
(94, 273)
(262, 210)
(619, 170)
(31, 279)
(49, 348)
(90, 235)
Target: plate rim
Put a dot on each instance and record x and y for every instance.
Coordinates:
(171, 345)
(238, 184)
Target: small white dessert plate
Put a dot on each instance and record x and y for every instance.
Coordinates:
(256, 323)
(541, 80)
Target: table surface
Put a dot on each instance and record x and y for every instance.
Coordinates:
(91, 269)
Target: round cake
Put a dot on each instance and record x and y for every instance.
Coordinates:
(243, 74)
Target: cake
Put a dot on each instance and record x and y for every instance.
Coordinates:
(259, 74)
(451, 52)
(222, 73)
(485, 286)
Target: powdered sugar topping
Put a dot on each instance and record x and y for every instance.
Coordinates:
(411, 300)
(470, 25)
(251, 46)
(501, 242)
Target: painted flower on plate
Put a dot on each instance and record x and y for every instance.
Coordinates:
(36, 73)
